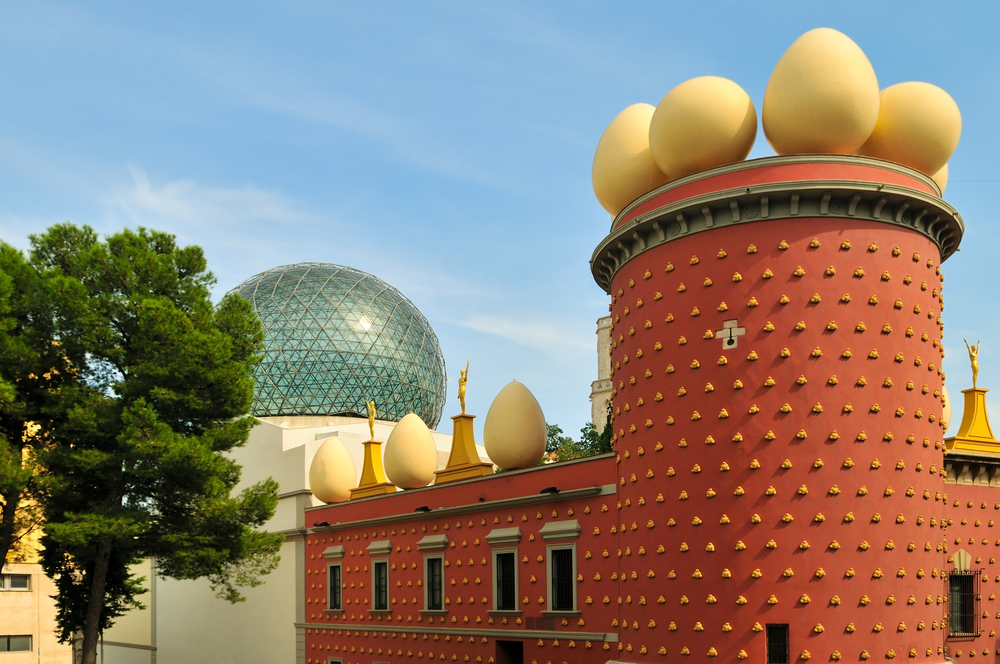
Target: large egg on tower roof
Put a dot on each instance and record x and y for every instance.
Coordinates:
(822, 97)
(514, 433)
(623, 164)
(410, 456)
(700, 124)
(941, 178)
(332, 473)
(919, 125)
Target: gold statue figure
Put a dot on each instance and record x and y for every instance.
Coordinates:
(371, 417)
(462, 381)
(974, 358)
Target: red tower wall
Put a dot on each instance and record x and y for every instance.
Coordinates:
(855, 557)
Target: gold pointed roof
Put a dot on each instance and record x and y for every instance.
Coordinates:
(975, 433)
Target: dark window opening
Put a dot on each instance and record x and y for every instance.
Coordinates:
(335, 584)
(506, 584)
(510, 652)
(777, 644)
(15, 643)
(562, 579)
(963, 603)
(381, 599)
(435, 585)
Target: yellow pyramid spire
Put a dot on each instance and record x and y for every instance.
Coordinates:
(975, 433)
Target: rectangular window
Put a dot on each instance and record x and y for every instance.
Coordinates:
(777, 644)
(14, 581)
(505, 567)
(15, 643)
(380, 586)
(963, 593)
(335, 584)
(563, 579)
(434, 583)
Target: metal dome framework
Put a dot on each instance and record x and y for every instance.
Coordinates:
(336, 336)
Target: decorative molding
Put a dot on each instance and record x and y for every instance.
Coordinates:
(897, 205)
(334, 552)
(433, 543)
(513, 633)
(751, 164)
(506, 503)
(560, 530)
(504, 536)
(379, 548)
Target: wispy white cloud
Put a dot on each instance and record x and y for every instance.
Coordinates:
(543, 336)
(187, 202)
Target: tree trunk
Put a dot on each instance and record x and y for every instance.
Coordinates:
(92, 623)
(7, 526)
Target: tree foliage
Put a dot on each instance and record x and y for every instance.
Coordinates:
(33, 371)
(591, 442)
(138, 465)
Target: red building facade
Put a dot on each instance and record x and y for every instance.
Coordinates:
(779, 473)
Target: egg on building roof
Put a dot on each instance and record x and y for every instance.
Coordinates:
(410, 456)
(919, 125)
(333, 473)
(822, 97)
(941, 178)
(945, 408)
(623, 164)
(514, 433)
(702, 123)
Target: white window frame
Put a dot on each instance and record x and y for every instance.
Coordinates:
(31, 642)
(5, 583)
(329, 586)
(548, 581)
(388, 586)
(517, 580)
(427, 585)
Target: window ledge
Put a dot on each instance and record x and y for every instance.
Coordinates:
(333, 611)
(384, 611)
(561, 613)
(436, 612)
(498, 612)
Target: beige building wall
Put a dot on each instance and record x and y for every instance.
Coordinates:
(600, 389)
(32, 612)
(132, 639)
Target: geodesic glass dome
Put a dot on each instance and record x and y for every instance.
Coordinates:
(336, 336)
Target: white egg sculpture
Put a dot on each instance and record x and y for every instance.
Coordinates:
(410, 456)
(702, 123)
(945, 409)
(822, 97)
(515, 433)
(333, 474)
(623, 165)
(919, 125)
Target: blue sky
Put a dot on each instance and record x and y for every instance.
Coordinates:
(444, 147)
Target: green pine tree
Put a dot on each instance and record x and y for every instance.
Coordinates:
(137, 466)
(33, 370)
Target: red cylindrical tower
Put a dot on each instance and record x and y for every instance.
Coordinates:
(776, 352)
